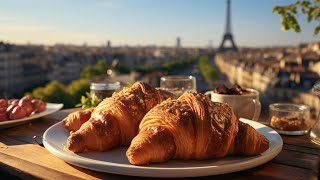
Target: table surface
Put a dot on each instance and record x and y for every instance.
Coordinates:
(22, 157)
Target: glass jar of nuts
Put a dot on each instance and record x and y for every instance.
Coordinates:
(290, 119)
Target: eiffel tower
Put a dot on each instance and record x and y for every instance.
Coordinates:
(228, 35)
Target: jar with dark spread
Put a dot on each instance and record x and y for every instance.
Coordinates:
(104, 89)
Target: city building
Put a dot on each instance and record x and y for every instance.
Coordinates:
(11, 71)
(178, 45)
(279, 74)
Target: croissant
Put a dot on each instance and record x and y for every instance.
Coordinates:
(193, 127)
(115, 121)
(74, 120)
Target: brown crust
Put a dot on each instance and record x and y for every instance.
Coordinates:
(115, 121)
(74, 120)
(200, 129)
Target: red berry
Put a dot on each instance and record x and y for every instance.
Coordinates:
(3, 110)
(3, 117)
(28, 97)
(13, 101)
(27, 105)
(18, 113)
(10, 108)
(3, 103)
(38, 105)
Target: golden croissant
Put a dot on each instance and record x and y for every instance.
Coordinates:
(115, 121)
(193, 127)
(74, 120)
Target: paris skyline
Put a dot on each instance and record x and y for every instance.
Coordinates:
(144, 22)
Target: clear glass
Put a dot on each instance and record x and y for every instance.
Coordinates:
(315, 131)
(290, 119)
(178, 84)
(103, 90)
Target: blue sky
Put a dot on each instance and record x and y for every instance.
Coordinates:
(145, 22)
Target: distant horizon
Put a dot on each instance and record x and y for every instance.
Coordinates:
(142, 23)
(152, 45)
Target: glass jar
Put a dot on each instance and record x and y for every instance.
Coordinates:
(315, 131)
(104, 89)
(178, 84)
(290, 119)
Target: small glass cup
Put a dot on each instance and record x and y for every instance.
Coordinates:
(103, 90)
(178, 84)
(315, 131)
(290, 119)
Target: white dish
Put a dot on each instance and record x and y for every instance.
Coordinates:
(51, 108)
(115, 161)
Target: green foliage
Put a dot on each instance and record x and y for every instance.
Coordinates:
(168, 66)
(206, 69)
(128, 85)
(89, 72)
(290, 12)
(123, 68)
(56, 92)
(100, 68)
(144, 69)
(175, 64)
(88, 101)
(78, 88)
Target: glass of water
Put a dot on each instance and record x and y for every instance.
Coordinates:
(177, 84)
(315, 131)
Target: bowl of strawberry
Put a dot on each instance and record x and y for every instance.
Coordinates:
(14, 109)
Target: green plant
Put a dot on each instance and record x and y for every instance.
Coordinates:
(54, 92)
(206, 69)
(176, 64)
(144, 69)
(77, 88)
(88, 101)
(123, 68)
(290, 12)
(100, 68)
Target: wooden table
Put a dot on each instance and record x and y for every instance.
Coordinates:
(22, 157)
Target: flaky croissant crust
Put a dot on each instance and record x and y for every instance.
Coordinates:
(192, 127)
(115, 121)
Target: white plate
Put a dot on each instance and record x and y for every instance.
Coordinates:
(51, 108)
(115, 161)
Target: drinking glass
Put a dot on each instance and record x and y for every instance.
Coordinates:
(315, 131)
(178, 84)
(103, 90)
